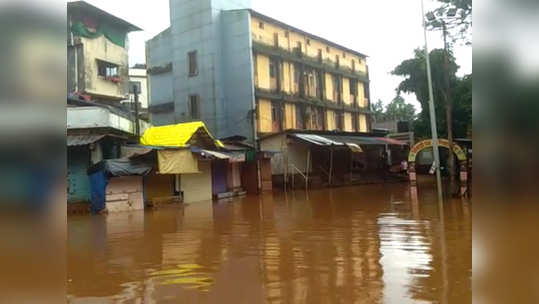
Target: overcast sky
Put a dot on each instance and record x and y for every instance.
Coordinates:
(386, 30)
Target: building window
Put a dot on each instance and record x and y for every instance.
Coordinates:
(300, 117)
(296, 74)
(328, 49)
(339, 120)
(321, 119)
(261, 25)
(272, 69)
(343, 55)
(286, 34)
(337, 63)
(194, 106)
(308, 41)
(353, 65)
(320, 55)
(353, 91)
(274, 112)
(193, 65)
(335, 83)
(107, 69)
(276, 117)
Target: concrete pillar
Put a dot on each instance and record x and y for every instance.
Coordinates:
(413, 186)
(412, 174)
(463, 178)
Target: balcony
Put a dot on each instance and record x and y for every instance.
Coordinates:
(101, 118)
(300, 57)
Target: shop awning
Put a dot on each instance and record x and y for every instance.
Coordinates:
(82, 140)
(121, 167)
(346, 140)
(214, 154)
(355, 148)
(317, 139)
(234, 157)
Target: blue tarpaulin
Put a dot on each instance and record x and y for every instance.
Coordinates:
(98, 184)
(100, 173)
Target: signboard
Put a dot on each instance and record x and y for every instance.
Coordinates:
(461, 156)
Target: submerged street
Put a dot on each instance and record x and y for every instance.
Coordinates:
(362, 244)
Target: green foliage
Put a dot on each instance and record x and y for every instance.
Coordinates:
(398, 109)
(378, 110)
(414, 72)
(462, 106)
(459, 26)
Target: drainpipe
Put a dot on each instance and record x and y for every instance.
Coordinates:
(257, 149)
(76, 55)
(253, 107)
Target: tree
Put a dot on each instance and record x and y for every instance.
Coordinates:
(457, 15)
(462, 106)
(414, 72)
(398, 109)
(378, 110)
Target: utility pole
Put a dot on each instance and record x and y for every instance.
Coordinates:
(137, 126)
(449, 112)
(432, 111)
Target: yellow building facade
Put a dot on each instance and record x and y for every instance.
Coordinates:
(305, 82)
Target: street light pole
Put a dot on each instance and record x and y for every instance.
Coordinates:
(432, 111)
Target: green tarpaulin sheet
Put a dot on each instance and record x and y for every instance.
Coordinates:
(113, 35)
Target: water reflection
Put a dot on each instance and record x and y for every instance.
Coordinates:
(369, 244)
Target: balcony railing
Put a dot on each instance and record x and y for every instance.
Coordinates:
(98, 117)
(301, 57)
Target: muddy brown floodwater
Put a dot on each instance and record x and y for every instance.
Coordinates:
(364, 244)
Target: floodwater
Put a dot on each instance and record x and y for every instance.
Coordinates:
(362, 244)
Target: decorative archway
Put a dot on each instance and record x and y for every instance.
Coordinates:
(459, 152)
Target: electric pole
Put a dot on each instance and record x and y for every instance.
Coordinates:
(449, 112)
(137, 125)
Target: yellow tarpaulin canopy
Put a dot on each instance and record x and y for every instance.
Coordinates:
(177, 162)
(177, 135)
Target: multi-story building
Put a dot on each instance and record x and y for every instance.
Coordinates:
(97, 81)
(97, 53)
(244, 73)
(139, 79)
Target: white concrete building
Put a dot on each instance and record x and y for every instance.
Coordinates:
(138, 77)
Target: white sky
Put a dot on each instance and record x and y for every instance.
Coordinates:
(386, 30)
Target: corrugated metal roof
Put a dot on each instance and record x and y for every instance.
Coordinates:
(364, 140)
(392, 141)
(317, 139)
(216, 154)
(341, 140)
(355, 148)
(82, 140)
(233, 147)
